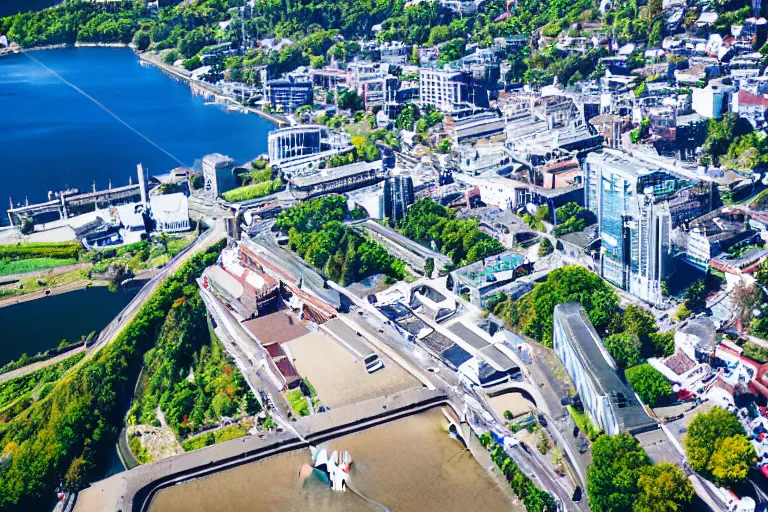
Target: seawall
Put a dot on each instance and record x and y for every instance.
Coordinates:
(133, 490)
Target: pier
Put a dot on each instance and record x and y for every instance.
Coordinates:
(72, 204)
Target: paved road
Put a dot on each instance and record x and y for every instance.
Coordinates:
(446, 379)
(201, 243)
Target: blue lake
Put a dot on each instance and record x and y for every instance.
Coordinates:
(53, 137)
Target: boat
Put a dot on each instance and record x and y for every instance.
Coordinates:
(334, 467)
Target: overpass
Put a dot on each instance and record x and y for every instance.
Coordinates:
(133, 490)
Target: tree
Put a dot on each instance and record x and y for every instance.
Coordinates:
(170, 57)
(192, 64)
(624, 348)
(663, 488)
(429, 267)
(407, 117)
(649, 384)
(141, 40)
(27, 226)
(77, 475)
(696, 294)
(545, 247)
(704, 440)
(746, 297)
(223, 405)
(731, 459)
(612, 478)
(349, 99)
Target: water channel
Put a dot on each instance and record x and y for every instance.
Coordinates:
(38, 325)
(409, 464)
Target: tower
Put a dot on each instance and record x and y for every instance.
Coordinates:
(142, 185)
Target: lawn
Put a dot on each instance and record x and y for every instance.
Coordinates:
(217, 436)
(30, 265)
(33, 284)
(298, 402)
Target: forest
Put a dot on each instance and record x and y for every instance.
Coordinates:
(188, 374)
(61, 437)
(316, 232)
(460, 239)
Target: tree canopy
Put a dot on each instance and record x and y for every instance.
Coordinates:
(428, 222)
(622, 478)
(649, 384)
(532, 313)
(718, 448)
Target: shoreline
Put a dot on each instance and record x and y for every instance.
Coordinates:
(13, 300)
(154, 60)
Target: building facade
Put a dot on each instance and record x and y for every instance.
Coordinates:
(287, 95)
(447, 91)
(631, 199)
(398, 196)
(610, 404)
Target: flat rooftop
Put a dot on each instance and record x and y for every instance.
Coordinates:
(404, 242)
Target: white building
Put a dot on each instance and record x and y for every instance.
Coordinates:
(710, 102)
(447, 91)
(610, 404)
(171, 212)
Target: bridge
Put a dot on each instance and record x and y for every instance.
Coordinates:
(133, 490)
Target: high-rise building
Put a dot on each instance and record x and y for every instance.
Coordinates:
(610, 404)
(398, 196)
(633, 200)
(213, 166)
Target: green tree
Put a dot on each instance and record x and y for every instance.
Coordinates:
(663, 488)
(429, 267)
(649, 384)
(223, 405)
(545, 247)
(624, 348)
(731, 460)
(612, 478)
(706, 449)
(407, 117)
(141, 40)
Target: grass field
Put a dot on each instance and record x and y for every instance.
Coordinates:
(217, 436)
(30, 265)
(34, 284)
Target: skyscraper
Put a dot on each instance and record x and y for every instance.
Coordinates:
(398, 196)
(631, 199)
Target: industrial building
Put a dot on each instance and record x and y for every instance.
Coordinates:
(609, 402)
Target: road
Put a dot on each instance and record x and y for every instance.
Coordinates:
(201, 243)
(369, 320)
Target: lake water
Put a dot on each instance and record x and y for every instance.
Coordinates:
(53, 137)
(408, 464)
(9, 7)
(38, 325)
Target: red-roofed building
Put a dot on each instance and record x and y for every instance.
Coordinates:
(751, 107)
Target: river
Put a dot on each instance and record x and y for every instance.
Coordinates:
(408, 464)
(38, 325)
(54, 137)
